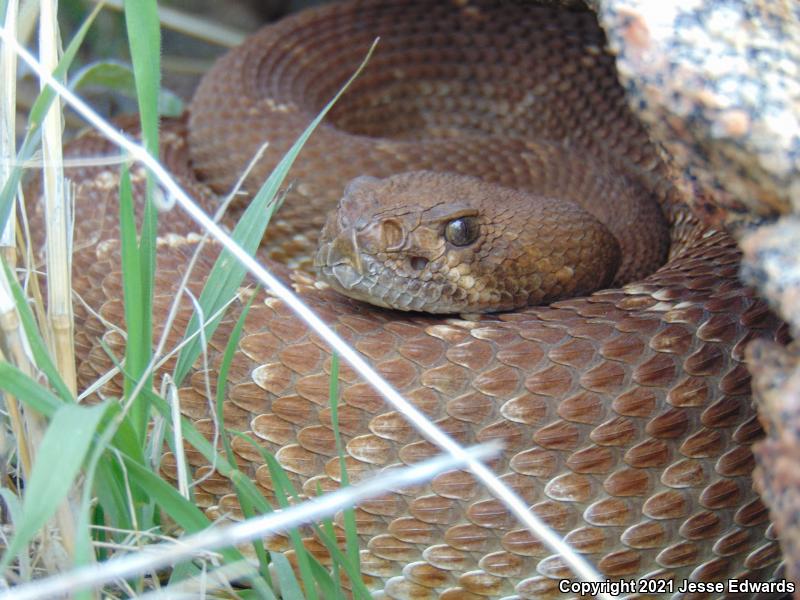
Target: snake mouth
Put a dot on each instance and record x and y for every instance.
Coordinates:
(398, 294)
(368, 280)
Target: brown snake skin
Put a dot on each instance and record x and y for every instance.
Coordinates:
(626, 415)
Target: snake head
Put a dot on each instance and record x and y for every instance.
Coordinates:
(447, 243)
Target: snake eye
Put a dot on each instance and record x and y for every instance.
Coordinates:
(462, 231)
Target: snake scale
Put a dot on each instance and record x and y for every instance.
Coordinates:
(626, 415)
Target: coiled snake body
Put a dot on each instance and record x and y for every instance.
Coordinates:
(626, 415)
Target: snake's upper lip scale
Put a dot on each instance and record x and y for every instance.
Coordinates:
(340, 259)
(346, 275)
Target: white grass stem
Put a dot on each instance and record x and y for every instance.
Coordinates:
(28, 15)
(100, 160)
(498, 488)
(8, 124)
(165, 555)
(191, 25)
(180, 456)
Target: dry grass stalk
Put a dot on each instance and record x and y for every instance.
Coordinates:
(12, 344)
(8, 113)
(26, 23)
(58, 219)
(12, 349)
(58, 222)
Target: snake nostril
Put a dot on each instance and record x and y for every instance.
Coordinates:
(418, 262)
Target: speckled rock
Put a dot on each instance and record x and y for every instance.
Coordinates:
(718, 84)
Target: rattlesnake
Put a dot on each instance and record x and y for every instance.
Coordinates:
(626, 415)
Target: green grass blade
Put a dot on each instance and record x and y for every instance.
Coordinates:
(113, 498)
(36, 116)
(110, 483)
(327, 586)
(352, 568)
(290, 588)
(32, 394)
(100, 535)
(37, 344)
(227, 274)
(83, 539)
(250, 497)
(222, 377)
(144, 38)
(183, 571)
(330, 532)
(137, 291)
(126, 438)
(58, 459)
(118, 78)
(304, 559)
(249, 512)
(285, 490)
(184, 512)
(350, 531)
(246, 491)
(237, 477)
(139, 259)
(202, 445)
